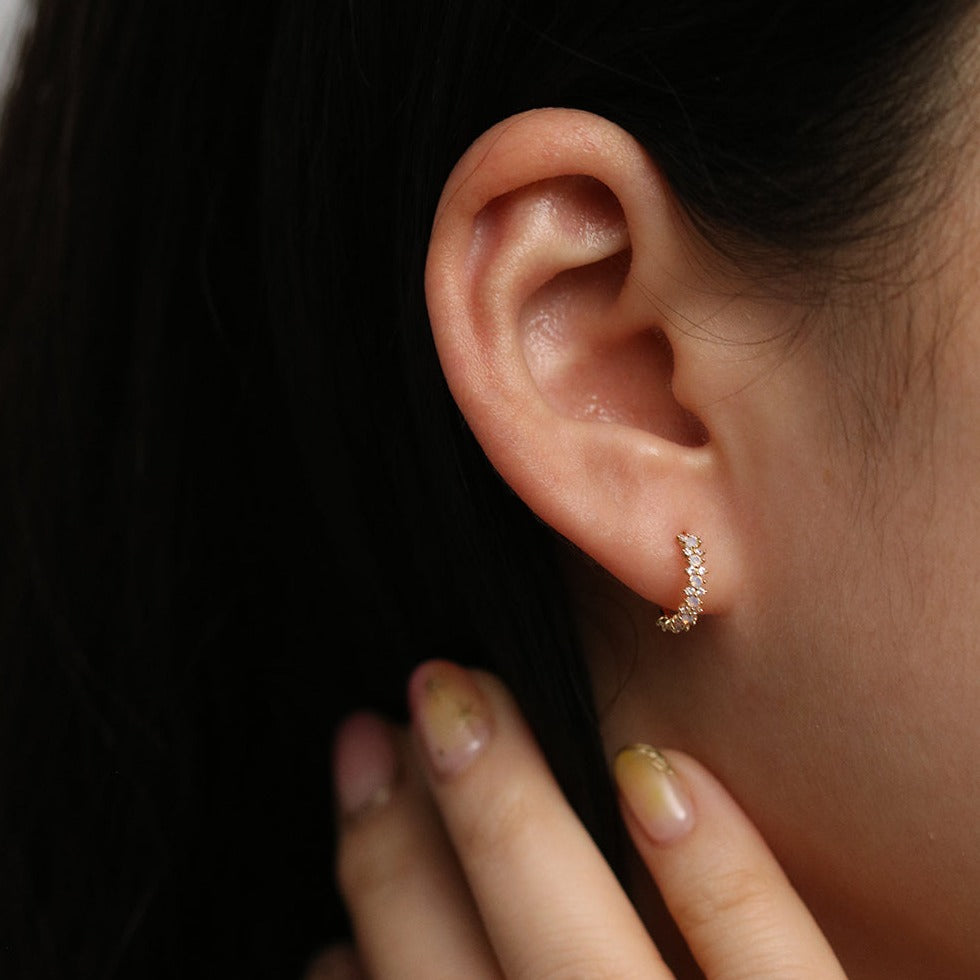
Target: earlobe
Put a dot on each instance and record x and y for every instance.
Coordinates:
(556, 273)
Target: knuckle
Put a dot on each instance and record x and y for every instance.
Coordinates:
(767, 957)
(776, 964)
(741, 892)
(575, 951)
(496, 823)
(585, 967)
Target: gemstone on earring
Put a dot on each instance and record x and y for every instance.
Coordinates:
(687, 613)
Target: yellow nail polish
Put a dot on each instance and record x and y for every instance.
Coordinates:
(654, 793)
(451, 715)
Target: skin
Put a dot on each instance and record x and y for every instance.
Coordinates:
(839, 696)
(446, 872)
(832, 469)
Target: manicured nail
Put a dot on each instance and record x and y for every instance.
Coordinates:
(451, 716)
(654, 793)
(364, 764)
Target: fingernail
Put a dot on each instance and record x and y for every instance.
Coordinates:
(451, 716)
(364, 764)
(654, 793)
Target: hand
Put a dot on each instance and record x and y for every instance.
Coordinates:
(460, 858)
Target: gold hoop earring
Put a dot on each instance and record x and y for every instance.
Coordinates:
(687, 612)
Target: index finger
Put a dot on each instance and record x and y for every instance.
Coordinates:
(732, 901)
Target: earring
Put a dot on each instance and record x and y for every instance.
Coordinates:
(687, 612)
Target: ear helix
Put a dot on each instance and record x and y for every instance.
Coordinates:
(686, 615)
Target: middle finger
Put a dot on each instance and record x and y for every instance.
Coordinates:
(550, 903)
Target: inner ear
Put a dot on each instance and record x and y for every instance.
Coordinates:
(590, 359)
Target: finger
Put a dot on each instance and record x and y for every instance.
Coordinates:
(411, 912)
(731, 900)
(550, 903)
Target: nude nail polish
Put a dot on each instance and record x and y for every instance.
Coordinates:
(451, 716)
(654, 793)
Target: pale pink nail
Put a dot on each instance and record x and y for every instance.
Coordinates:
(364, 764)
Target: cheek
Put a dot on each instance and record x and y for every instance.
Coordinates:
(868, 659)
(838, 699)
(864, 517)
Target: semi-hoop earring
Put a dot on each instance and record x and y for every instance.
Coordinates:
(687, 612)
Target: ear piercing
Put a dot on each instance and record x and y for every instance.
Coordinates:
(687, 612)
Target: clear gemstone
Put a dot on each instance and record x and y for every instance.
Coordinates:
(694, 601)
(695, 559)
(686, 616)
(697, 581)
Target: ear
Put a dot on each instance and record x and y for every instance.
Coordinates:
(564, 292)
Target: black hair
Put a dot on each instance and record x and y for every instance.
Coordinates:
(237, 500)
